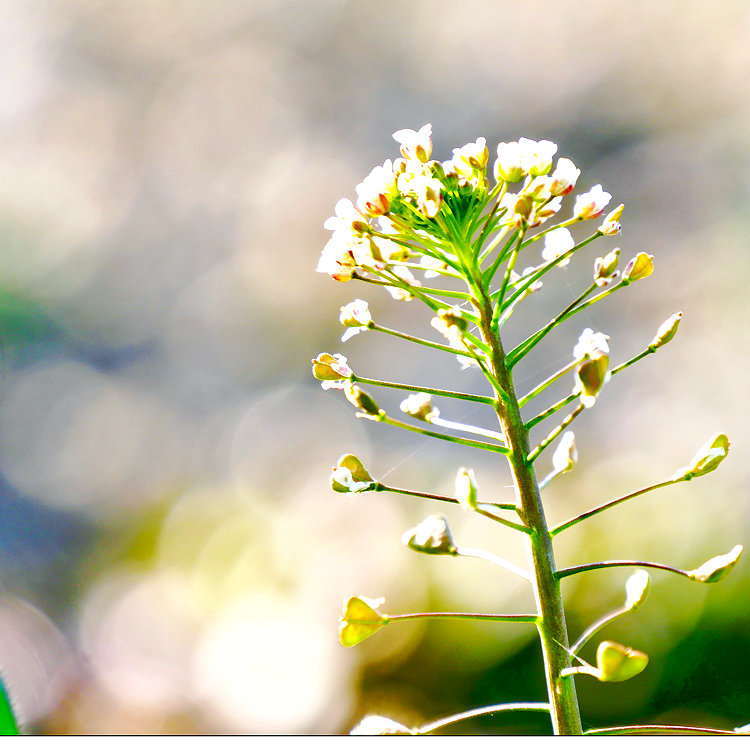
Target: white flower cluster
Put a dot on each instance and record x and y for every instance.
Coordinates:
(417, 208)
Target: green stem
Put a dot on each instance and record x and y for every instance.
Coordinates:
(422, 389)
(462, 616)
(385, 419)
(573, 396)
(596, 627)
(565, 572)
(380, 487)
(551, 623)
(438, 422)
(526, 346)
(557, 431)
(486, 710)
(500, 519)
(416, 340)
(546, 383)
(659, 729)
(601, 508)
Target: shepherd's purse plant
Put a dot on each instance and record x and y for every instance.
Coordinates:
(467, 236)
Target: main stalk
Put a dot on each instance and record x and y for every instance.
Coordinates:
(552, 629)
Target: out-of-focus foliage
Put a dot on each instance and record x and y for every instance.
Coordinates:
(171, 556)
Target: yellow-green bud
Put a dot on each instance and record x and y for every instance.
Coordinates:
(356, 314)
(605, 269)
(432, 536)
(360, 620)
(466, 488)
(611, 224)
(639, 268)
(524, 206)
(617, 663)
(708, 458)
(361, 399)
(666, 331)
(718, 567)
(350, 475)
(330, 367)
(592, 374)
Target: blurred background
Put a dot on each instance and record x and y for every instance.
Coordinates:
(171, 558)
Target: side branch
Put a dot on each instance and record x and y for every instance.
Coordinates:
(600, 509)
(422, 389)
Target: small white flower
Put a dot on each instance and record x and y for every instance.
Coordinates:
(356, 313)
(564, 178)
(428, 192)
(347, 219)
(356, 317)
(536, 156)
(509, 166)
(565, 455)
(337, 258)
(556, 244)
(589, 343)
(377, 190)
(415, 144)
(590, 205)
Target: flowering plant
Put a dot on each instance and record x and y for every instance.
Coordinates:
(449, 221)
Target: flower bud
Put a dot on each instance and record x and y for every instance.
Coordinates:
(331, 368)
(432, 536)
(590, 344)
(611, 224)
(536, 156)
(356, 314)
(361, 399)
(592, 374)
(377, 190)
(419, 406)
(523, 207)
(639, 268)
(564, 178)
(466, 488)
(349, 475)
(605, 269)
(590, 205)
(415, 144)
(708, 458)
(474, 155)
(360, 620)
(617, 663)
(508, 167)
(429, 195)
(667, 331)
(718, 567)
(380, 725)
